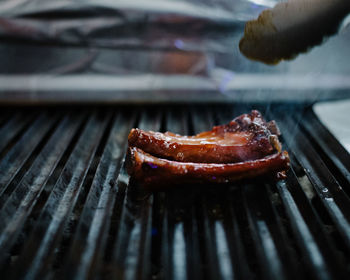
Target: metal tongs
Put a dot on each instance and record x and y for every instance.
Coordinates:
(292, 27)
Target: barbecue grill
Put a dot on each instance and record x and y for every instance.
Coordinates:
(69, 211)
(76, 76)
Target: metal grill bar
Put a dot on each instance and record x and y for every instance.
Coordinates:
(265, 234)
(16, 158)
(48, 228)
(235, 237)
(132, 247)
(11, 128)
(68, 210)
(18, 204)
(90, 237)
(324, 183)
(325, 143)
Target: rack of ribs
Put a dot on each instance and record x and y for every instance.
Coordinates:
(246, 147)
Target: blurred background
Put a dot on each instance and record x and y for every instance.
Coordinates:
(158, 51)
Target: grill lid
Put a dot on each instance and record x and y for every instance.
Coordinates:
(67, 210)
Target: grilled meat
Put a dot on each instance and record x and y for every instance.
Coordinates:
(246, 147)
(153, 172)
(247, 137)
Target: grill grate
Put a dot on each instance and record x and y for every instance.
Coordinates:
(67, 210)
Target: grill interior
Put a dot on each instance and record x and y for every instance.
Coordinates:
(67, 210)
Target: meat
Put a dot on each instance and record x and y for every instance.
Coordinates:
(154, 173)
(246, 147)
(247, 137)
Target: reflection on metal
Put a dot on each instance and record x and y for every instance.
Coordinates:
(144, 82)
(267, 3)
(171, 88)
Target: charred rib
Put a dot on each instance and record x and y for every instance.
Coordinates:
(152, 172)
(247, 137)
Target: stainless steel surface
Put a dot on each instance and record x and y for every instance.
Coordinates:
(335, 116)
(160, 88)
